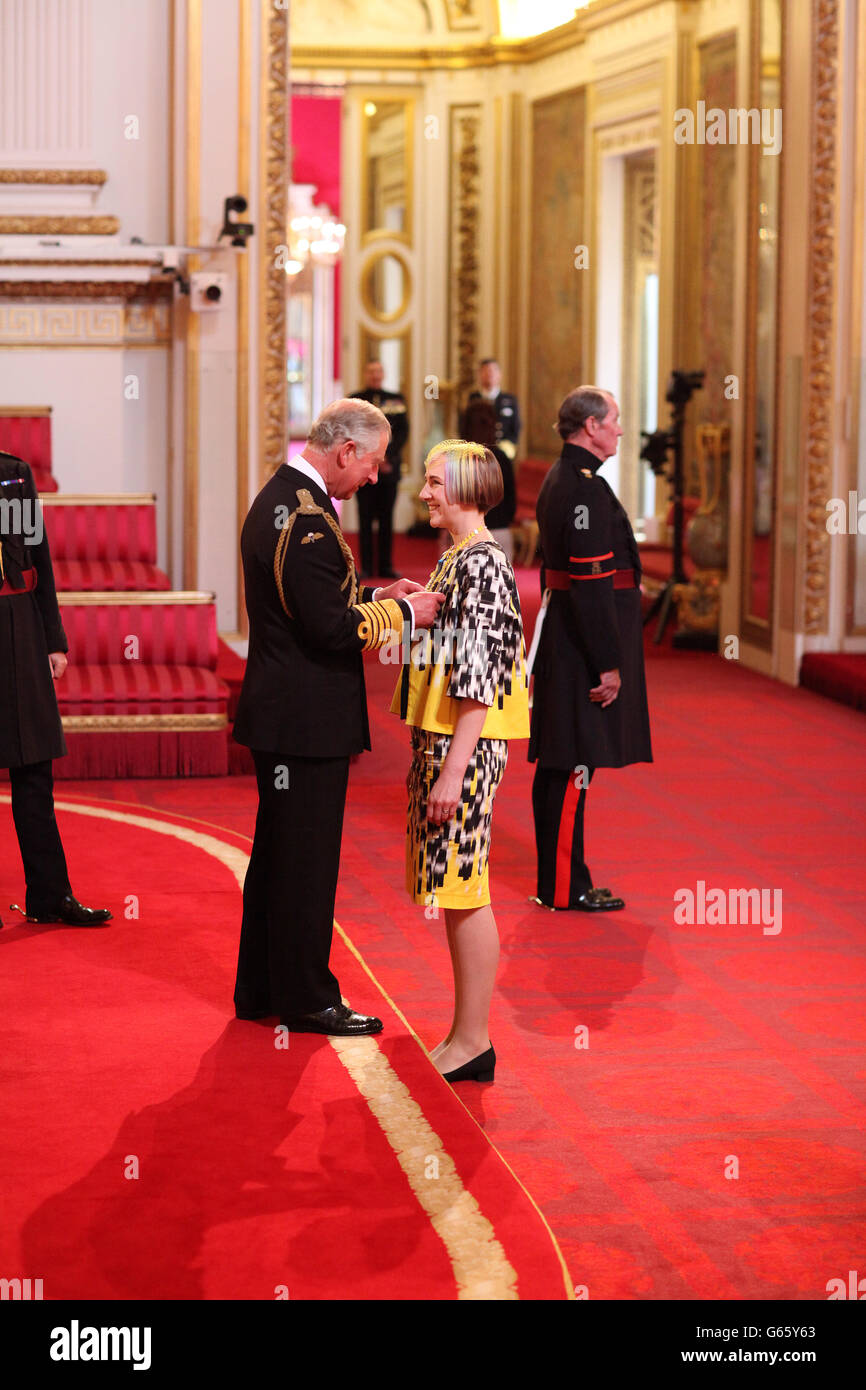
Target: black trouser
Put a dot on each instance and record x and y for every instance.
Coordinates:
(376, 503)
(558, 804)
(45, 872)
(291, 885)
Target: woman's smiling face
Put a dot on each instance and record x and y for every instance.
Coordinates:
(433, 493)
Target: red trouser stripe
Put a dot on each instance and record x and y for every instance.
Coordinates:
(565, 843)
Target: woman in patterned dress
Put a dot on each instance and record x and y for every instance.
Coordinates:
(463, 693)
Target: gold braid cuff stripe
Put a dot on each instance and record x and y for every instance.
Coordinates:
(308, 507)
(381, 622)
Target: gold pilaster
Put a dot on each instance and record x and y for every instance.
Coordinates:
(273, 233)
(243, 306)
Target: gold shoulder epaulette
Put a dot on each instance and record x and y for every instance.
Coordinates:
(308, 507)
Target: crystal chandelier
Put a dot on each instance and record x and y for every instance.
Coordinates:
(314, 234)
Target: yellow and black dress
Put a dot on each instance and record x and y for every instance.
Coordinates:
(474, 652)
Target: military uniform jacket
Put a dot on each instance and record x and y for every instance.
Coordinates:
(393, 407)
(590, 627)
(303, 691)
(507, 432)
(507, 414)
(30, 626)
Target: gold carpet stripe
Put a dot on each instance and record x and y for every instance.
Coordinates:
(567, 1279)
(481, 1268)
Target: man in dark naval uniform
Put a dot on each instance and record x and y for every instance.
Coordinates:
(500, 435)
(376, 500)
(33, 649)
(303, 712)
(589, 705)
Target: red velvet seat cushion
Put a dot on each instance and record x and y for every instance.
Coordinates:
(102, 531)
(135, 688)
(125, 575)
(150, 633)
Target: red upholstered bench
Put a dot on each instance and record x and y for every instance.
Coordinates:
(25, 431)
(141, 696)
(105, 542)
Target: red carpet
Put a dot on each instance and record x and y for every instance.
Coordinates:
(153, 1148)
(705, 1139)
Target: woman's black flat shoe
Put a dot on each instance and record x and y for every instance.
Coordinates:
(481, 1068)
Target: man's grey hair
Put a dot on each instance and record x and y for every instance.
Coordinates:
(348, 419)
(579, 405)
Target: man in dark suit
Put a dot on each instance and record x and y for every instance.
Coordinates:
(303, 712)
(376, 500)
(33, 649)
(492, 418)
(589, 700)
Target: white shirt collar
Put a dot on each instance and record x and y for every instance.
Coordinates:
(304, 466)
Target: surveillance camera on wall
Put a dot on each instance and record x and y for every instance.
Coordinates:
(240, 232)
(207, 290)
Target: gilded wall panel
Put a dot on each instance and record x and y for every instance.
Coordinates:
(556, 288)
(717, 233)
(464, 252)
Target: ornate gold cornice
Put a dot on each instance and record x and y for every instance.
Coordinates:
(33, 290)
(494, 52)
(54, 176)
(821, 317)
(273, 232)
(39, 225)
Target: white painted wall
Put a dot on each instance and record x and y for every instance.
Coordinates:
(85, 388)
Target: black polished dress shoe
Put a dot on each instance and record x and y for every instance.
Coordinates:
(339, 1021)
(598, 900)
(74, 914)
(481, 1068)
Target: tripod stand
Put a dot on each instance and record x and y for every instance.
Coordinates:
(655, 451)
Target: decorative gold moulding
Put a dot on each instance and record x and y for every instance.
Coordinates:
(377, 315)
(141, 723)
(132, 598)
(493, 53)
(59, 226)
(95, 177)
(30, 410)
(85, 289)
(94, 499)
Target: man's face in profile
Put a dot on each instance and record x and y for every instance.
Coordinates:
(360, 467)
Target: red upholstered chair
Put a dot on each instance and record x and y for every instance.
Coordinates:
(25, 431)
(107, 542)
(657, 558)
(141, 696)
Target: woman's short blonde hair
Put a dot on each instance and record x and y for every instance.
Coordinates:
(472, 473)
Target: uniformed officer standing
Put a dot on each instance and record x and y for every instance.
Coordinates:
(506, 433)
(589, 704)
(33, 649)
(376, 500)
(303, 713)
